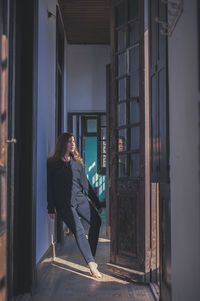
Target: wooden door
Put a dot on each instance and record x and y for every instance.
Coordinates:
(127, 140)
(160, 142)
(3, 144)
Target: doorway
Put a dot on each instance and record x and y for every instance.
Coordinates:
(97, 180)
(89, 130)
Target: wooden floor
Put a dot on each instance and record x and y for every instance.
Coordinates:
(67, 278)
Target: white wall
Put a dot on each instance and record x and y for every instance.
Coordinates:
(184, 156)
(86, 86)
(85, 90)
(46, 118)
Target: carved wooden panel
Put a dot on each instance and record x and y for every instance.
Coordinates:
(3, 266)
(127, 198)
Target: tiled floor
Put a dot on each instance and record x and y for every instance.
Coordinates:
(68, 278)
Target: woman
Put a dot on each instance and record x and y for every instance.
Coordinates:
(66, 181)
(121, 163)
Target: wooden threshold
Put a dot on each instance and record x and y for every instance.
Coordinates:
(123, 272)
(155, 290)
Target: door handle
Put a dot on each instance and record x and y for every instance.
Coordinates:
(12, 140)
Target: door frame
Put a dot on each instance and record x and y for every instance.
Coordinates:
(59, 119)
(159, 133)
(108, 167)
(79, 119)
(3, 144)
(60, 48)
(22, 128)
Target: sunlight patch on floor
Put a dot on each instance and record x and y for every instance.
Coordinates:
(101, 239)
(81, 270)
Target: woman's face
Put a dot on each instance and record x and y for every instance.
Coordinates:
(71, 145)
(120, 145)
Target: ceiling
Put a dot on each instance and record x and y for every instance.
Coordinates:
(86, 21)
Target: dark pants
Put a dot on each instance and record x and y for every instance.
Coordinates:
(72, 220)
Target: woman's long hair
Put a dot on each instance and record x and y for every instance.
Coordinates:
(60, 149)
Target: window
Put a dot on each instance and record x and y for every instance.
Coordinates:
(127, 80)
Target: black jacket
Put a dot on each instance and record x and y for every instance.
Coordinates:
(59, 186)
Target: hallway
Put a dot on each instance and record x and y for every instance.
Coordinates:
(68, 278)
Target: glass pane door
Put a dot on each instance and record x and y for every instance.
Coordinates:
(127, 78)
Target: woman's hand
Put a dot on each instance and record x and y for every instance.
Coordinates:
(52, 215)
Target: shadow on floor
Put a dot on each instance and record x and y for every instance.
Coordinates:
(67, 278)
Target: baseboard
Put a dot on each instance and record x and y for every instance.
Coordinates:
(47, 254)
(24, 297)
